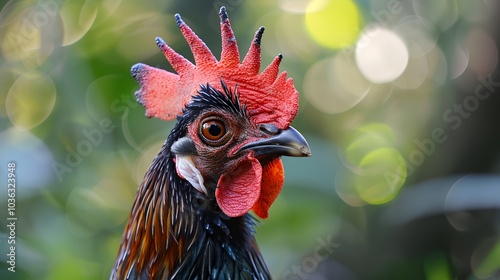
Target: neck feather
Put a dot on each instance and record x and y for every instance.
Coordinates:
(175, 233)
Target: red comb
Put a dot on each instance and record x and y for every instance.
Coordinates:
(270, 97)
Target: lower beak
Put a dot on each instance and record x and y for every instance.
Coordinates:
(288, 142)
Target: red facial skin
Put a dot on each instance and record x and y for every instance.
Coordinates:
(241, 181)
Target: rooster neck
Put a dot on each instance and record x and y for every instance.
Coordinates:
(175, 233)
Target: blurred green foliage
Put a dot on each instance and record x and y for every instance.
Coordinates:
(381, 113)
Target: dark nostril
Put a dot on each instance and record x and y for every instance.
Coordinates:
(269, 129)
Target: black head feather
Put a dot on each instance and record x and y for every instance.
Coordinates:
(217, 247)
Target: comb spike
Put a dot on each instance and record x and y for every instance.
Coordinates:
(271, 72)
(223, 14)
(158, 93)
(178, 62)
(178, 20)
(203, 57)
(258, 35)
(230, 55)
(280, 81)
(268, 97)
(251, 62)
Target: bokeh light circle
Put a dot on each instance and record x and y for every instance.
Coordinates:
(373, 171)
(88, 210)
(24, 31)
(77, 18)
(381, 55)
(142, 163)
(288, 28)
(484, 260)
(459, 62)
(442, 13)
(335, 24)
(146, 27)
(30, 100)
(335, 85)
(344, 182)
(483, 52)
(95, 102)
(437, 66)
(298, 6)
(384, 173)
(366, 139)
(416, 71)
(32, 157)
(418, 33)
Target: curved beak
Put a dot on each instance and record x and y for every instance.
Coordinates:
(287, 142)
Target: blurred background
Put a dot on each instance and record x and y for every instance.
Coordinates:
(398, 99)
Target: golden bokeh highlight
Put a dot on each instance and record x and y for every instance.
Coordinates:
(333, 25)
(32, 30)
(30, 100)
(21, 39)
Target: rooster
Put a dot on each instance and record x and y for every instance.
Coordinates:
(190, 218)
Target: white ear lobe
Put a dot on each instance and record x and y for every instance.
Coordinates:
(187, 170)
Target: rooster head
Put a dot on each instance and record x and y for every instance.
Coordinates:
(233, 122)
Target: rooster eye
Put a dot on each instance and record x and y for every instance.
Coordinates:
(213, 132)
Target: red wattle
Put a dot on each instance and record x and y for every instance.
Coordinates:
(273, 177)
(239, 189)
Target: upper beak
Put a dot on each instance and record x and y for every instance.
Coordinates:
(288, 142)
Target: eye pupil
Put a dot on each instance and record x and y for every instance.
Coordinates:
(215, 129)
